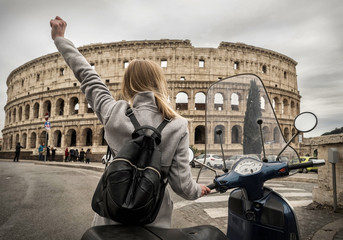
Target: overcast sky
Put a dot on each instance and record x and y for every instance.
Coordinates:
(310, 32)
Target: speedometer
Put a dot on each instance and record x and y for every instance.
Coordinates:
(248, 166)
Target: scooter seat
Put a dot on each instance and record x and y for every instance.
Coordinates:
(112, 232)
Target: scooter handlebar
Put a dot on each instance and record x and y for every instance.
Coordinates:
(211, 186)
(312, 163)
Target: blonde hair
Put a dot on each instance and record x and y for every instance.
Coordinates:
(146, 75)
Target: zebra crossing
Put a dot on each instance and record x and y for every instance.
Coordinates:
(297, 197)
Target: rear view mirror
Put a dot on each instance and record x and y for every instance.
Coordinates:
(190, 154)
(305, 122)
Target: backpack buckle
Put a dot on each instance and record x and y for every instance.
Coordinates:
(129, 112)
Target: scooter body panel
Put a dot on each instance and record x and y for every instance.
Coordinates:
(270, 217)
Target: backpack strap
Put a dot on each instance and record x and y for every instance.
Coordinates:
(139, 128)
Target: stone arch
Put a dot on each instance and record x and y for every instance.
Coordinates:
(218, 101)
(70, 138)
(57, 138)
(14, 118)
(217, 136)
(27, 112)
(181, 101)
(200, 99)
(234, 99)
(74, 106)
(47, 107)
(199, 135)
(276, 104)
(36, 110)
(11, 142)
(292, 108)
(43, 137)
(33, 140)
(20, 113)
(285, 107)
(286, 133)
(59, 107)
(87, 137)
(9, 116)
(23, 140)
(17, 138)
(236, 134)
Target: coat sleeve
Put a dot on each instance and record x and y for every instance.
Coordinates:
(97, 94)
(180, 175)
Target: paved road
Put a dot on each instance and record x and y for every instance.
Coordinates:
(45, 202)
(49, 202)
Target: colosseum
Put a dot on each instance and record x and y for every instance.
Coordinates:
(47, 85)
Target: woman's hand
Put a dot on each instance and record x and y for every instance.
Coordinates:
(58, 27)
(204, 190)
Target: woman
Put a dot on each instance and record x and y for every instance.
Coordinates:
(145, 86)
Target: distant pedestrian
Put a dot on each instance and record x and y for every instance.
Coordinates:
(77, 155)
(53, 153)
(82, 155)
(48, 153)
(17, 152)
(66, 155)
(88, 156)
(41, 152)
(72, 154)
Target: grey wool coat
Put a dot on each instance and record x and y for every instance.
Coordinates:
(118, 129)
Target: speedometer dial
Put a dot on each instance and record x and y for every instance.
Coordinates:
(248, 166)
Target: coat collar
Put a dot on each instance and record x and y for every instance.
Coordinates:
(144, 98)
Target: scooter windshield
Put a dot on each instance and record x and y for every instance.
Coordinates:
(240, 122)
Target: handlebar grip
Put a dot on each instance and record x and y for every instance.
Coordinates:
(211, 186)
(300, 165)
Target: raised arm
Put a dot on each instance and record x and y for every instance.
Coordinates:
(97, 94)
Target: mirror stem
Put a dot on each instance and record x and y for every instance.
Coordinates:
(287, 144)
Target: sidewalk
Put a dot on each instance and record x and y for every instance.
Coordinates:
(331, 231)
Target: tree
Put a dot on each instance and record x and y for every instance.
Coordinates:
(252, 143)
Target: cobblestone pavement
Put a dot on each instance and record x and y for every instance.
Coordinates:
(315, 221)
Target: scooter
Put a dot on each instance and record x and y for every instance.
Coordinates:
(254, 210)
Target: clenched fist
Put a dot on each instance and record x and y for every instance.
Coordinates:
(58, 27)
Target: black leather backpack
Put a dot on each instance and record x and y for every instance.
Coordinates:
(132, 187)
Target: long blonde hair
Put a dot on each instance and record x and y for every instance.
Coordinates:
(146, 75)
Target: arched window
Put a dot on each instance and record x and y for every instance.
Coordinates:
(14, 115)
(200, 99)
(234, 102)
(264, 69)
(47, 107)
(27, 112)
(23, 140)
(59, 107)
(88, 136)
(285, 107)
(199, 135)
(89, 108)
(43, 137)
(263, 103)
(20, 113)
(36, 110)
(276, 104)
(286, 134)
(16, 138)
(221, 136)
(236, 134)
(11, 141)
(182, 101)
(74, 105)
(219, 101)
(57, 138)
(71, 138)
(33, 140)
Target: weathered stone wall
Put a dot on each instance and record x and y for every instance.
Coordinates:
(47, 84)
(324, 192)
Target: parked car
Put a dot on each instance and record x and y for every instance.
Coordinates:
(103, 159)
(306, 170)
(212, 160)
